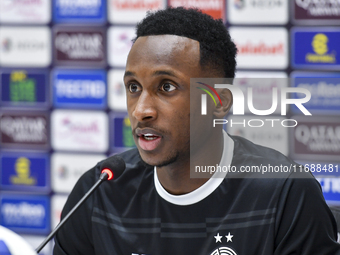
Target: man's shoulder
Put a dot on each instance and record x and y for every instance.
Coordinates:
(134, 163)
(265, 174)
(255, 153)
(256, 161)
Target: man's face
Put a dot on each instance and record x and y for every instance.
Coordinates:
(157, 81)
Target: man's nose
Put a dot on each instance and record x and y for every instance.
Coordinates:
(145, 109)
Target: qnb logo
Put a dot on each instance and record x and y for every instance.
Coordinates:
(239, 98)
(204, 97)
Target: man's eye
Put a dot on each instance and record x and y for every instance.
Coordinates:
(133, 88)
(168, 87)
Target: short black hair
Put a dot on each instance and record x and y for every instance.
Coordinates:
(217, 50)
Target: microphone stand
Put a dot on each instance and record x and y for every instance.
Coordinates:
(103, 177)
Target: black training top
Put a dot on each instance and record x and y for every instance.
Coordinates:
(134, 215)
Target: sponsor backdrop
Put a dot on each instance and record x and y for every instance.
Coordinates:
(62, 96)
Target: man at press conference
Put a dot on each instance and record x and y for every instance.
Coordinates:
(155, 207)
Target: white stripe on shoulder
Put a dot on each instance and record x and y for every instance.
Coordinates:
(207, 188)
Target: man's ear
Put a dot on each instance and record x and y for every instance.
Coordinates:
(227, 101)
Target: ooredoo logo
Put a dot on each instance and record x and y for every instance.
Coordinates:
(320, 47)
(315, 47)
(23, 171)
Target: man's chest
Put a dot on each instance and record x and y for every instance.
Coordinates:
(193, 232)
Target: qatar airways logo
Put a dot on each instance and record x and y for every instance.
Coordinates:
(305, 4)
(239, 102)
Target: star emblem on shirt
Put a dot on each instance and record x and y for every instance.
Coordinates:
(218, 238)
(229, 237)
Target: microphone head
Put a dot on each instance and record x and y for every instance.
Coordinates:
(114, 166)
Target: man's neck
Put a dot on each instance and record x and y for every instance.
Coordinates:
(175, 178)
(178, 183)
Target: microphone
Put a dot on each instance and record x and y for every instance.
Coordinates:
(111, 168)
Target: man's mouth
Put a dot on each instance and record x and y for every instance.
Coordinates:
(148, 139)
